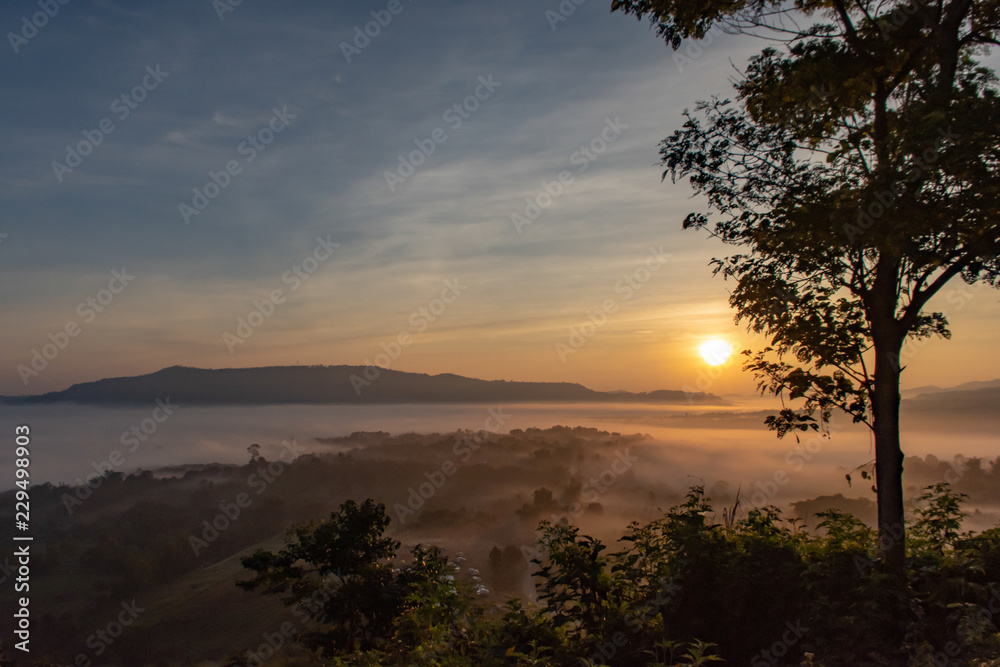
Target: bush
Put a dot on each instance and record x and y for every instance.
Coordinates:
(682, 590)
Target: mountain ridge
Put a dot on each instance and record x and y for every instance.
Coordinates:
(334, 385)
(931, 389)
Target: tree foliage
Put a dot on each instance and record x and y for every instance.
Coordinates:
(680, 590)
(858, 172)
(343, 565)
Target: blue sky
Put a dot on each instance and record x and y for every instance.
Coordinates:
(335, 120)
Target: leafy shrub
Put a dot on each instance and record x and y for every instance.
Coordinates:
(681, 591)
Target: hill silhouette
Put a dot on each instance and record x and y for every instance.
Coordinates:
(335, 384)
(929, 389)
(981, 401)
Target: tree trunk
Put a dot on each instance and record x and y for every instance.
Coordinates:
(889, 456)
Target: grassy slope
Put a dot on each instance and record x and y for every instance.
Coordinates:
(202, 617)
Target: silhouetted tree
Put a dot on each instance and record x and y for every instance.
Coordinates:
(858, 173)
(343, 565)
(339, 574)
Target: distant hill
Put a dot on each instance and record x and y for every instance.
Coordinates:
(934, 389)
(985, 400)
(335, 384)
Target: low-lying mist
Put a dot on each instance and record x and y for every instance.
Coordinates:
(686, 444)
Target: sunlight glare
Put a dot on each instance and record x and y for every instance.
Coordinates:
(715, 352)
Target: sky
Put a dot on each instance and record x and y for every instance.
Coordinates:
(436, 187)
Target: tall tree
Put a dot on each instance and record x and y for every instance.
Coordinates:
(338, 574)
(348, 592)
(857, 171)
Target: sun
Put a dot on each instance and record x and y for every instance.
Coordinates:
(715, 352)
